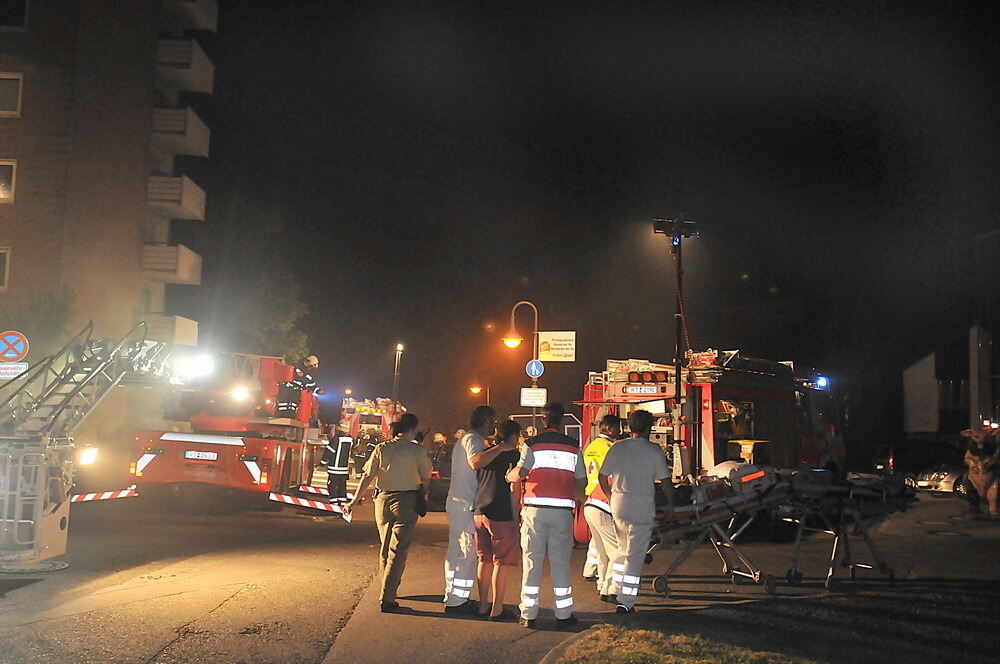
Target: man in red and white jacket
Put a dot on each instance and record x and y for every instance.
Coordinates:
(554, 478)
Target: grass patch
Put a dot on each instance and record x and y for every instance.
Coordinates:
(610, 644)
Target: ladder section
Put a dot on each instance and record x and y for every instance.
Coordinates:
(51, 399)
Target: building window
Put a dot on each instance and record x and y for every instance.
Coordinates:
(4, 268)
(8, 177)
(10, 94)
(13, 13)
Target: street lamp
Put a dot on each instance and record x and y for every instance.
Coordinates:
(513, 338)
(677, 230)
(395, 380)
(477, 389)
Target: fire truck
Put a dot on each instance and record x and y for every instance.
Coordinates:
(368, 416)
(235, 441)
(731, 407)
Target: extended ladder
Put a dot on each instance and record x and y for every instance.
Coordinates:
(38, 411)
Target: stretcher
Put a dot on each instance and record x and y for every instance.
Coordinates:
(839, 510)
(722, 509)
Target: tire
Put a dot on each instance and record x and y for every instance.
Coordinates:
(661, 586)
(649, 558)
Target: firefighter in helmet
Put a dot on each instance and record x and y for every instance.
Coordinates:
(290, 392)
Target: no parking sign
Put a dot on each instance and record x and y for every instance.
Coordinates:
(13, 346)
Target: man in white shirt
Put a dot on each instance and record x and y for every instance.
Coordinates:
(630, 469)
(461, 561)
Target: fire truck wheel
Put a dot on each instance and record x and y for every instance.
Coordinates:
(660, 585)
(770, 585)
(794, 577)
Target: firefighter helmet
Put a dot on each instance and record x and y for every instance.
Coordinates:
(311, 361)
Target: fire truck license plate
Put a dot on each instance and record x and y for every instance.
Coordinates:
(204, 456)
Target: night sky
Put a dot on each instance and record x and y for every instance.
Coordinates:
(434, 163)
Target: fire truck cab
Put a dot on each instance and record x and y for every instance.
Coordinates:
(234, 441)
(360, 418)
(731, 407)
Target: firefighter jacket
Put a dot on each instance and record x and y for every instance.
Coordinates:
(302, 380)
(551, 479)
(337, 454)
(593, 459)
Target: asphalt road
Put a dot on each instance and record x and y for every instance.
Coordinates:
(165, 585)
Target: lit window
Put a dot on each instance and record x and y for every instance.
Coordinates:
(4, 267)
(10, 94)
(13, 13)
(8, 170)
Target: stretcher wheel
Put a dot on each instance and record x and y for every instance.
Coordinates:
(770, 585)
(832, 584)
(725, 569)
(794, 577)
(660, 585)
(649, 558)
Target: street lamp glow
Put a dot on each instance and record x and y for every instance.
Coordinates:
(476, 389)
(399, 348)
(348, 391)
(512, 340)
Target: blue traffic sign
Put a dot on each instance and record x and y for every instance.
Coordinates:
(534, 369)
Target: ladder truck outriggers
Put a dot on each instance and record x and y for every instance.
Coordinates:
(39, 409)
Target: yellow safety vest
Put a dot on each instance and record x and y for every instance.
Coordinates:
(593, 459)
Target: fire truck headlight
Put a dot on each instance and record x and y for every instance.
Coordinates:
(240, 393)
(87, 456)
(822, 382)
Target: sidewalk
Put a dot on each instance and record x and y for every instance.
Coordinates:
(920, 544)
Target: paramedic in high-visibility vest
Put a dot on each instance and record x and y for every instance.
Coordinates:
(631, 469)
(554, 478)
(337, 459)
(597, 510)
(461, 561)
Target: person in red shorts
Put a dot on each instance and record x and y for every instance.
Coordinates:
(497, 539)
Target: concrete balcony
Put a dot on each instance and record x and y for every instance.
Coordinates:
(194, 14)
(183, 63)
(175, 197)
(172, 329)
(171, 264)
(179, 131)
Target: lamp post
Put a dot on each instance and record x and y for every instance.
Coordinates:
(478, 389)
(395, 381)
(513, 339)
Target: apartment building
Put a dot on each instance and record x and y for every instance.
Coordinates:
(93, 113)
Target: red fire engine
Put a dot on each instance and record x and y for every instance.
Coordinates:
(235, 441)
(359, 418)
(732, 407)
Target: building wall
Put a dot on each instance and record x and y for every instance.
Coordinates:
(109, 166)
(40, 141)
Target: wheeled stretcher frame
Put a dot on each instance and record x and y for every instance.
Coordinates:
(839, 510)
(737, 512)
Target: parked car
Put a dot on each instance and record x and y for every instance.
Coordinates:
(946, 478)
(913, 459)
